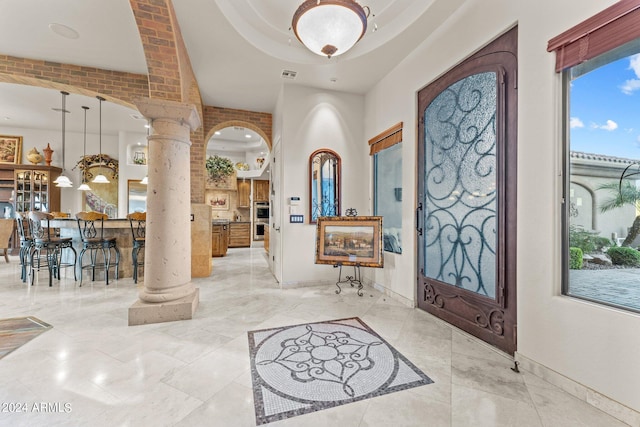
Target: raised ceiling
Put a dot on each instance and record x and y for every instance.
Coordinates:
(238, 49)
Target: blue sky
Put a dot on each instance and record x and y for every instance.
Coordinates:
(605, 110)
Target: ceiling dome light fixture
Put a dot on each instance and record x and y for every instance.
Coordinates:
(330, 27)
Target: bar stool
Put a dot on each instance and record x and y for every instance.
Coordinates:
(93, 240)
(52, 247)
(138, 222)
(25, 243)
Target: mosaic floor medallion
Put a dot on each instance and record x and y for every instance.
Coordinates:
(305, 368)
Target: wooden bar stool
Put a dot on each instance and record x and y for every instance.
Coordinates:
(91, 227)
(47, 248)
(138, 222)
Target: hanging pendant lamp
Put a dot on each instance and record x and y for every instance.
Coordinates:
(84, 186)
(63, 180)
(329, 27)
(100, 178)
(145, 180)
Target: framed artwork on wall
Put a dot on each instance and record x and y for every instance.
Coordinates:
(10, 149)
(219, 200)
(350, 240)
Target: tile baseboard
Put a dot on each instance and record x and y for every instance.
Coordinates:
(580, 391)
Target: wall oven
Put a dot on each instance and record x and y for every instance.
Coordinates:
(260, 219)
(258, 230)
(261, 211)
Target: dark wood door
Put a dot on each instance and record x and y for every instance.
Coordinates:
(466, 217)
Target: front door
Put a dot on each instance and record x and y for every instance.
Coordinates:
(466, 218)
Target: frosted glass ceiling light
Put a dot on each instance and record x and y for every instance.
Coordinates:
(330, 27)
(84, 186)
(63, 180)
(100, 178)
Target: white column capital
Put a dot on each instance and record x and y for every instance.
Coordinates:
(183, 113)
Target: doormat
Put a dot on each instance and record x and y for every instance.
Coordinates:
(306, 368)
(18, 331)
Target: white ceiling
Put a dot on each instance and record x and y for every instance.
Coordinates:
(238, 50)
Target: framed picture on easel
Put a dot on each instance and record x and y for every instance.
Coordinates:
(350, 240)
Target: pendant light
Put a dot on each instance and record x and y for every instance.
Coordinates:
(84, 186)
(145, 180)
(63, 180)
(100, 178)
(330, 27)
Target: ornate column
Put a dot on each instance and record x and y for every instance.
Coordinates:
(168, 292)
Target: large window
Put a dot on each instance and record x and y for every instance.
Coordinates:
(387, 184)
(602, 188)
(387, 195)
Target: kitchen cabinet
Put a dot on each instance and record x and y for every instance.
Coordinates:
(266, 239)
(239, 234)
(219, 239)
(260, 190)
(244, 194)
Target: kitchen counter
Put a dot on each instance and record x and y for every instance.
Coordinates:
(117, 227)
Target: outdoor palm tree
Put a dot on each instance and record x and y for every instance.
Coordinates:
(624, 194)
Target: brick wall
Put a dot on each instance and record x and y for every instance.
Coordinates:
(217, 118)
(115, 86)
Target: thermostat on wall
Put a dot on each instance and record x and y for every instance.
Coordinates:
(294, 200)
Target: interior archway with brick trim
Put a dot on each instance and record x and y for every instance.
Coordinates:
(238, 123)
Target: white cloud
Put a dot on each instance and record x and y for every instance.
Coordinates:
(611, 125)
(630, 86)
(634, 64)
(575, 122)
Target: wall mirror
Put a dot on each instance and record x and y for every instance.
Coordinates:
(137, 196)
(324, 184)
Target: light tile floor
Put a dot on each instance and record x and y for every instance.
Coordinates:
(94, 370)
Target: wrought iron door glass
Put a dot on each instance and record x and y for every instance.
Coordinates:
(324, 184)
(460, 181)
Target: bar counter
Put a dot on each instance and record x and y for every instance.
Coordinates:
(118, 228)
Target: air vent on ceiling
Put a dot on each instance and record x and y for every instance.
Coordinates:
(288, 74)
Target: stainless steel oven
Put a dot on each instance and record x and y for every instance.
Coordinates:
(260, 219)
(258, 230)
(261, 211)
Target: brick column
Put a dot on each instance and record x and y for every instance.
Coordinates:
(168, 292)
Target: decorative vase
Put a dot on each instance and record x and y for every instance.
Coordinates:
(34, 156)
(47, 154)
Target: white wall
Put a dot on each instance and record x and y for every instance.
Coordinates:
(112, 145)
(313, 119)
(596, 346)
(128, 170)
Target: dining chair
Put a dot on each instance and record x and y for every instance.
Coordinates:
(6, 231)
(26, 242)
